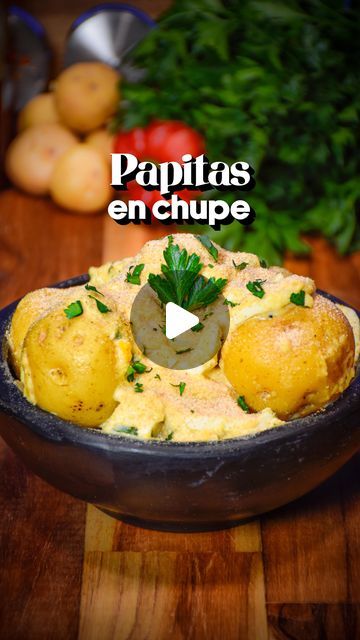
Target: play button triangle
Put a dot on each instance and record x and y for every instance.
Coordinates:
(178, 320)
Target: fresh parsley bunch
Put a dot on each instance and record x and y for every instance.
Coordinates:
(181, 282)
(276, 84)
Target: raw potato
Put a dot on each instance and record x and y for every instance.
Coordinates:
(81, 180)
(86, 95)
(39, 110)
(294, 363)
(32, 155)
(103, 141)
(69, 368)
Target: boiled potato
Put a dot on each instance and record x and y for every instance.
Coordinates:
(39, 110)
(29, 309)
(102, 140)
(81, 180)
(33, 154)
(69, 367)
(295, 362)
(86, 95)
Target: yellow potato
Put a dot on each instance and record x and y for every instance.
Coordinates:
(294, 363)
(86, 95)
(103, 141)
(69, 367)
(32, 155)
(39, 110)
(30, 309)
(81, 180)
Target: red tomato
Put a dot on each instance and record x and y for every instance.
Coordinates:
(169, 140)
(160, 141)
(133, 141)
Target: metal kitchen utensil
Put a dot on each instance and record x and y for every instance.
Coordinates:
(107, 33)
(30, 55)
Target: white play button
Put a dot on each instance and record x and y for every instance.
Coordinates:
(178, 320)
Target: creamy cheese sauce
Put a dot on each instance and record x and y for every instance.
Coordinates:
(207, 409)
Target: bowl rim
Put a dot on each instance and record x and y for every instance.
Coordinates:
(53, 428)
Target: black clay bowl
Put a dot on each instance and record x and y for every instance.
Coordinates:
(179, 486)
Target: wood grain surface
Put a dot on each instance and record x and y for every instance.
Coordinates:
(68, 571)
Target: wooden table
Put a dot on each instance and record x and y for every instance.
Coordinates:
(68, 571)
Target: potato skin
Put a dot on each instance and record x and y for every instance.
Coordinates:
(68, 367)
(295, 362)
(30, 309)
(33, 154)
(39, 110)
(81, 180)
(86, 95)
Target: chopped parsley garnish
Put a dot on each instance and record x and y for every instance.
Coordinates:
(240, 266)
(181, 283)
(181, 386)
(298, 298)
(90, 287)
(211, 266)
(206, 242)
(73, 310)
(198, 327)
(263, 263)
(133, 275)
(157, 377)
(255, 288)
(100, 305)
(139, 387)
(170, 436)
(136, 366)
(184, 350)
(118, 334)
(209, 313)
(230, 303)
(132, 431)
(243, 404)
(170, 239)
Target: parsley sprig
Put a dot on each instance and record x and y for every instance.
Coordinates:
(255, 288)
(298, 298)
(134, 273)
(206, 242)
(73, 310)
(181, 282)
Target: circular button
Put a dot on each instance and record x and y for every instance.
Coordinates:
(175, 337)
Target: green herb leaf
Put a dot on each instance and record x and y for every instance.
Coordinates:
(206, 242)
(263, 263)
(133, 431)
(73, 310)
(170, 436)
(181, 282)
(243, 404)
(255, 288)
(298, 298)
(139, 387)
(136, 366)
(229, 303)
(181, 387)
(100, 305)
(240, 266)
(198, 327)
(134, 273)
(90, 287)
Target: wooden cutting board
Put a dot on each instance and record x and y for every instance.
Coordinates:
(68, 571)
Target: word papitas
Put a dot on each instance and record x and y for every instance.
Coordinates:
(168, 178)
